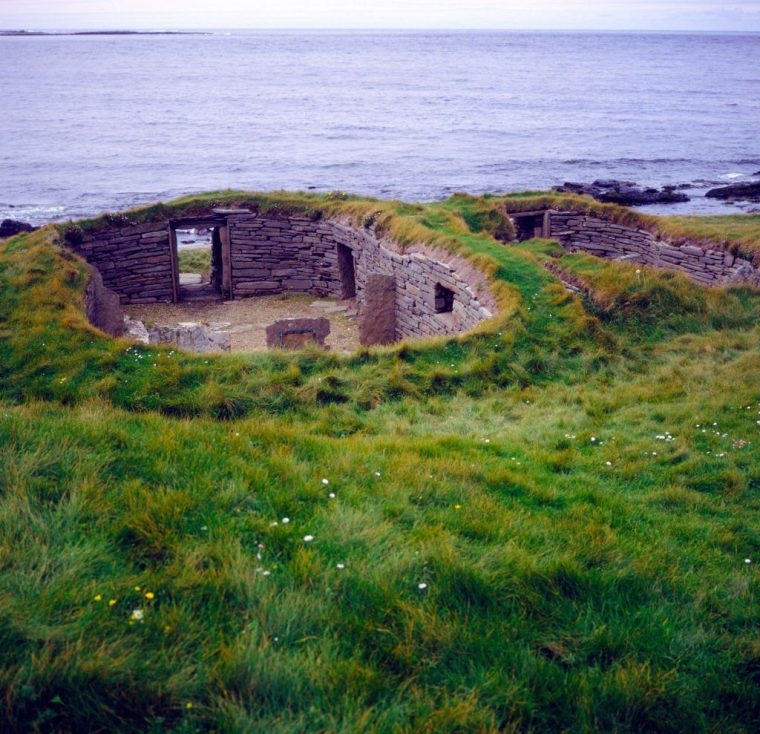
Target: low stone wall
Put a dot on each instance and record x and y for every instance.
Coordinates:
(601, 237)
(135, 262)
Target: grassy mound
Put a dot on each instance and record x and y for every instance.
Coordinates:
(539, 526)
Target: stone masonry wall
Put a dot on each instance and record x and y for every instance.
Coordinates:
(289, 254)
(298, 255)
(601, 237)
(416, 274)
(135, 262)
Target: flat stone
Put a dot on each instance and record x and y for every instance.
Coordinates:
(192, 336)
(297, 333)
(136, 331)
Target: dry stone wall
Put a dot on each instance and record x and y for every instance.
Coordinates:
(282, 255)
(135, 261)
(416, 275)
(601, 237)
(298, 255)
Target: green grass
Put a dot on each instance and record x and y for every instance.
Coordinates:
(576, 485)
(195, 260)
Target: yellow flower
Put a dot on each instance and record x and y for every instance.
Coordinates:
(98, 597)
(111, 602)
(167, 629)
(457, 507)
(189, 705)
(137, 588)
(149, 595)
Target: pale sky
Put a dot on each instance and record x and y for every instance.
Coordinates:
(704, 15)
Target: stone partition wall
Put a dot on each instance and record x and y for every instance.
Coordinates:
(296, 254)
(282, 255)
(135, 261)
(604, 238)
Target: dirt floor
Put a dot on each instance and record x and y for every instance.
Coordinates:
(249, 317)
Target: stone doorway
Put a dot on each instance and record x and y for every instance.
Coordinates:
(531, 225)
(198, 255)
(347, 271)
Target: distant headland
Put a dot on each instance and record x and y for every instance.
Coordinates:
(103, 33)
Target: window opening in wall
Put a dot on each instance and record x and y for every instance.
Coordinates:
(347, 272)
(444, 299)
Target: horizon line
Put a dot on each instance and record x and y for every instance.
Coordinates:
(333, 29)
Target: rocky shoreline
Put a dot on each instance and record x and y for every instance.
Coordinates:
(628, 193)
(748, 191)
(11, 227)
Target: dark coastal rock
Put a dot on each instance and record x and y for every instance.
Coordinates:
(10, 227)
(626, 193)
(747, 191)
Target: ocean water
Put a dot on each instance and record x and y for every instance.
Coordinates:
(93, 123)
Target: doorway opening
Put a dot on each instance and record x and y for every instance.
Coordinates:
(198, 254)
(347, 271)
(531, 225)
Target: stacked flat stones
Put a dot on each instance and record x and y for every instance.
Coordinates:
(607, 239)
(134, 261)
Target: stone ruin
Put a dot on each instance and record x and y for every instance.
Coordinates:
(417, 293)
(398, 295)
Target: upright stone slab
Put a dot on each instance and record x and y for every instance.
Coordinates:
(378, 315)
(103, 306)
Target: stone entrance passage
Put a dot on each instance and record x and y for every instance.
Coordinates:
(531, 225)
(199, 242)
(347, 272)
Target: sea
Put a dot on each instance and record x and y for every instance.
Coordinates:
(97, 123)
